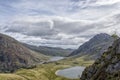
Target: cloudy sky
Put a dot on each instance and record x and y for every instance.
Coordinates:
(58, 23)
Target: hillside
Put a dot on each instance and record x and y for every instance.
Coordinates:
(13, 55)
(50, 51)
(107, 67)
(95, 46)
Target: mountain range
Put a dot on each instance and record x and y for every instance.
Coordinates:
(50, 51)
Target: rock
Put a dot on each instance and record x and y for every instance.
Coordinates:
(107, 67)
(114, 60)
(108, 57)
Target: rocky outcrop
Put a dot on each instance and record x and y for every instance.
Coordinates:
(13, 55)
(107, 67)
(95, 46)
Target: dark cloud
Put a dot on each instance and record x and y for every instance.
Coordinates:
(41, 28)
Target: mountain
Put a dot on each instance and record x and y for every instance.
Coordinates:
(13, 55)
(50, 51)
(95, 46)
(107, 67)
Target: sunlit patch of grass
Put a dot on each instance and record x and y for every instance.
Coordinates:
(11, 77)
(80, 61)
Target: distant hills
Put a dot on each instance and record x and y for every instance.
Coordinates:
(95, 46)
(13, 55)
(50, 51)
(107, 67)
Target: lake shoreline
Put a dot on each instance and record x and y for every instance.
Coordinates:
(76, 72)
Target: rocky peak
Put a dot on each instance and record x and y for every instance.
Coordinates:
(95, 46)
(100, 36)
(107, 67)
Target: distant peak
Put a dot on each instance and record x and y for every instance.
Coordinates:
(102, 34)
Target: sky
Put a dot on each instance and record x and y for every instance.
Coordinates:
(58, 23)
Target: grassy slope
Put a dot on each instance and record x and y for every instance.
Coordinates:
(45, 71)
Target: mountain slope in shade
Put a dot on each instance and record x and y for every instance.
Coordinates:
(95, 46)
(50, 51)
(13, 55)
(107, 67)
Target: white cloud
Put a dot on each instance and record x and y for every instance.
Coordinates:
(64, 23)
(106, 2)
(64, 32)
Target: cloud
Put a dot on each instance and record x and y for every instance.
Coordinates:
(34, 26)
(41, 28)
(78, 9)
(64, 23)
(107, 2)
(59, 31)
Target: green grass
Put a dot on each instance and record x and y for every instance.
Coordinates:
(46, 71)
(11, 77)
(79, 61)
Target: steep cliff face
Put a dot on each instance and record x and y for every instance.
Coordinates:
(13, 55)
(107, 67)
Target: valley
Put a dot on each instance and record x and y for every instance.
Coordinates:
(59, 39)
(46, 71)
(28, 64)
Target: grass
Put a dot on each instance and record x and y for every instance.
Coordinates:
(11, 77)
(79, 61)
(46, 71)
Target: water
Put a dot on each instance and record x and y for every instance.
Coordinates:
(57, 58)
(71, 73)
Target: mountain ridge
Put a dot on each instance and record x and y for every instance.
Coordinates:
(95, 46)
(49, 51)
(13, 55)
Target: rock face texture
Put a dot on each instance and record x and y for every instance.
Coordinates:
(95, 46)
(107, 67)
(13, 55)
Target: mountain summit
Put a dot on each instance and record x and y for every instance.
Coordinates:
(13, 55)
(95, 46)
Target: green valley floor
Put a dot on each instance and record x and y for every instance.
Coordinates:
(46, 71)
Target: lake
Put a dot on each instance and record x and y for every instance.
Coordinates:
(56, 58)
(71, 73)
